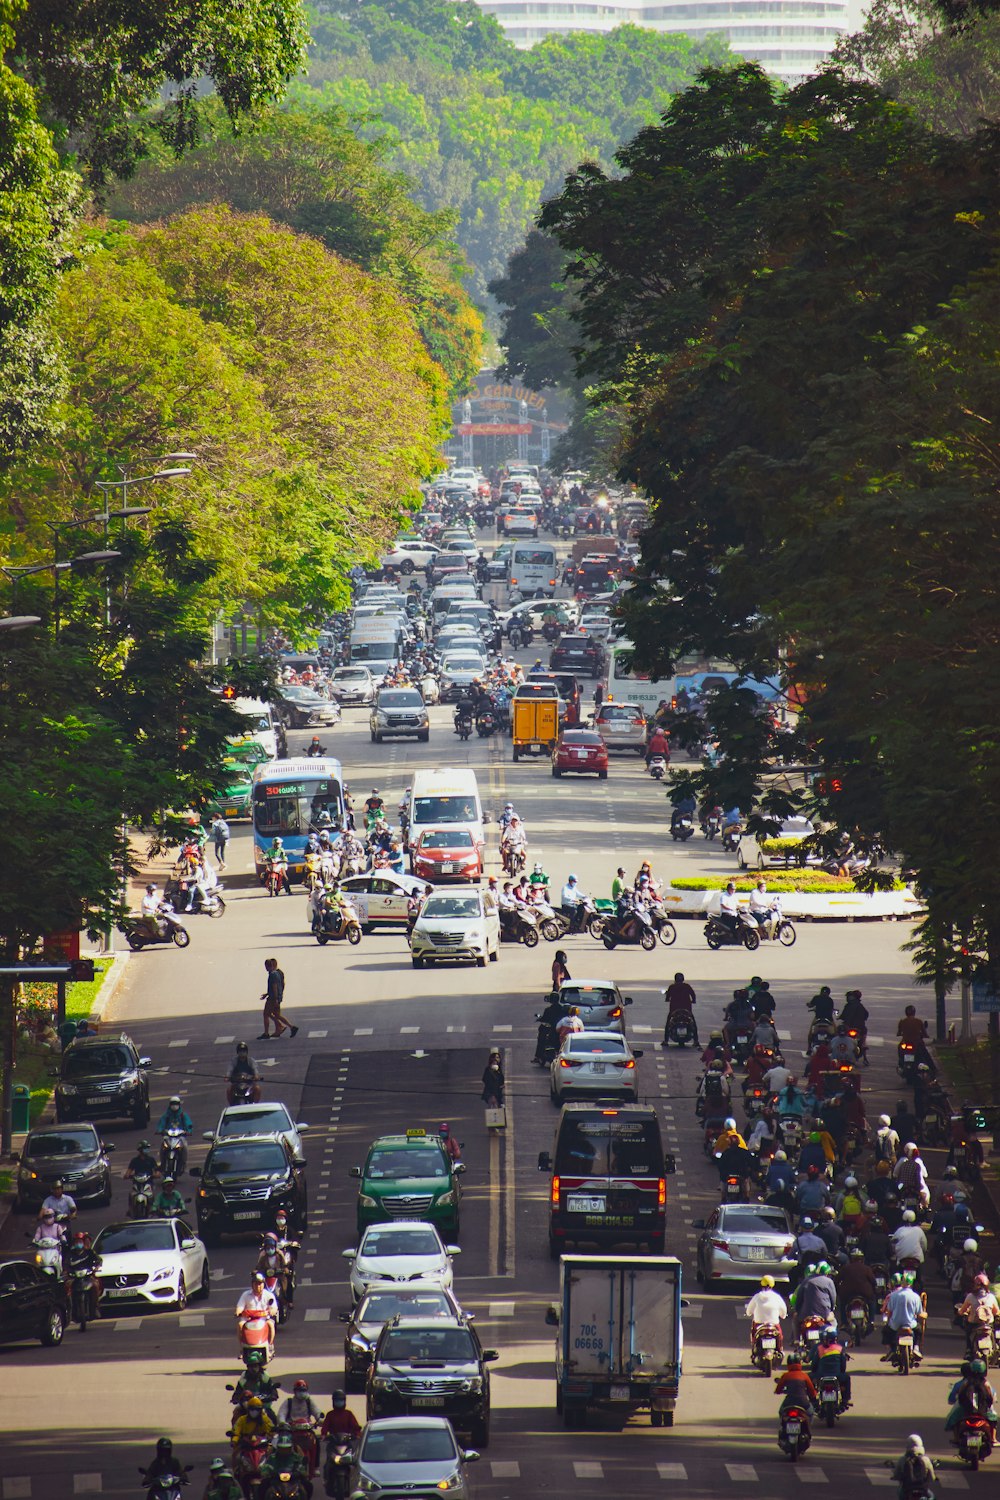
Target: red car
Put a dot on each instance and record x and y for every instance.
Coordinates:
(443, 854)
(580, 750)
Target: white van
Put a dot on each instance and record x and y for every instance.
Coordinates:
(533, 570)
(376, 644)
(446, 798)
(259, 722)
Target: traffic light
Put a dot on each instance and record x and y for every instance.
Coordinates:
(229, 692)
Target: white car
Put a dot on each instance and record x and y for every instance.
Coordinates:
(467, 546)
(411, 554)
(259, 1119)
(404, 1251)
(353, 685)
(792, 832)
(151, 1263)
(594, 1065)
(381, 898)
(455, 926)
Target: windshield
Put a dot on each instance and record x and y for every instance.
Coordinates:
(269, 1119)
(374, 650)
(121, 1238)
(542, 557)
(65, 1143)
(608, 1145)
(379, 1307)
(587, 995)
(393, 1164)
(408, 1445)
(400, 699)
(350, 674)
(592, 1046)
(91, 1060)
(379, 1241)
(257, 723)
(455, 838)
(430, 1345)
(744, 1222)
(281, 807)
(255, 1156)
(444, 810)
(451, 906)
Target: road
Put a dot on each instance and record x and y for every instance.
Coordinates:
(381, 1047)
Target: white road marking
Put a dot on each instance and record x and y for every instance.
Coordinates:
(879, 1476)
(456, 1028)
(500, 1310)
(317, 1315)
(742, 1473)
(816, 1475)
(672, 1471)
(505, 1468)
(584, 1470)
(191, 1320)
(87, 1484)
(221, 1041)
(364, 1030)
(15, 1489)
(127, 1325)
(949, 1480)
(694, 1311)
(181, 1042)
(313, 1034)
(408, 1030)
(503, 1028)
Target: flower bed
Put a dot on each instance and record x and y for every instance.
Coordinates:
(804, 882)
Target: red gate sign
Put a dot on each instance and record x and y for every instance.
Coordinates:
(496, 429)
(62, 947)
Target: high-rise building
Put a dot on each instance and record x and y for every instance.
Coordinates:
(790, 38)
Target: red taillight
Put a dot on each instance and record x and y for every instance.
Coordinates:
(627, 1062)
(614, 1014)
(565, 1062)
(719, 1244)
(554, 1192)
(661, 1192)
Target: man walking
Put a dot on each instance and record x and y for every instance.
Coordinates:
(220, 835)
(273, 999)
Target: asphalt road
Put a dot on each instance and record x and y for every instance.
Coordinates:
(382, 1047)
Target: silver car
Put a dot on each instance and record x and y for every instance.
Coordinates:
(415, 1457)
(622, 726)
(352, 685)
(600, 1002)
(743, 1242)
(594, 1065)
(259, 1119)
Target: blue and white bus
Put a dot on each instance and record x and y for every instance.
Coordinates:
(624, 684)
(290, 797)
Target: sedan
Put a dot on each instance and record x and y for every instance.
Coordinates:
(400, 1252)
(444, 854)
(32, 1304)
(382, 899)
(580, 751)
(458, 672)
(447, 565)
(74, 1155)
(366, 1321)
(259, 1119)
(151, 1263)
(594, 1065)
(352, 685)
(412, 1456)
(600, 1003)
(466, 546)
(622, 726)
(301, 708)
(743, 1242)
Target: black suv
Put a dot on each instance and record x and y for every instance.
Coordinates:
(577, 653)
(432, 1365)
(74, 1155)
(244, 1181)
(32, 1304)
(103, 1075)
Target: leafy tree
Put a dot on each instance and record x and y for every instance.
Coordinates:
(411, 30)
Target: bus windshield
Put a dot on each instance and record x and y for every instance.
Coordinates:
(293, 806)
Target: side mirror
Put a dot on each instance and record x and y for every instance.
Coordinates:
(298, 1161)
(552, 1315)
(638, 1052)
(300, 1127)
(194, 1171)
(697, 1223)
(458, 1168)
(349, 1254)
(344, 1317)
(627, 1000)
(544, 1161)
(187, 1244)
(669, 1165)
(489, 1355)
(106, 1146)
(208, 1135)
(354, 1171)
(145, 1062)
(470, 1455)
(453, 1249)
(487, 818)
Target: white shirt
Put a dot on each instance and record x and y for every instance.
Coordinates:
(761, 902)
(570, 894)
(150, 903)
(729, 905)
(776, 1078)
(264, 1302)
(766, 1306)
(909, 1242)
(63, 1205)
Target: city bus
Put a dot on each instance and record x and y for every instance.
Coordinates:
(625, 684)
(290, 797)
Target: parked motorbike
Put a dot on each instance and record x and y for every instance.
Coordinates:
(138, 935)
(719, 935)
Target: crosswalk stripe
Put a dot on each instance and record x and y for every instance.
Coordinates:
(694, 1311)
(16, 1489)
(456, 1028)
(221, 1041)
(314, 1034)
(879, 1476)
(317, 1315)
(505, 1468)
(672, 1471)
(364, 1030)
(87, 1484)
(179, 1042)
(742, 1473)
(816, 1476)
(500, 1310)
(503, 1028)
(191, 1320)
(408, 1030)
(584, 1470)
(645, 1031)
(126, 1325)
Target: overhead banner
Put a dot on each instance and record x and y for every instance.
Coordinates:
(492, 429)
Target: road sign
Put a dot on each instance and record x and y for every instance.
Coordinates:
(985, 997)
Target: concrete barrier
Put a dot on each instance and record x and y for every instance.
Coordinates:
(837, 906)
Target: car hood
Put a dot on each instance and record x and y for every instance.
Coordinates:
(402, 1267)
(62, 1167)
(407, 1475)
(244, 1179)
(129, 1262)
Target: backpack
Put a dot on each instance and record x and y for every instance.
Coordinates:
(884, 1148)
(713, 1086)
(915, 1470)
(852, 1206)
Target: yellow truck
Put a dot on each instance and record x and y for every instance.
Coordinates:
(534, 722)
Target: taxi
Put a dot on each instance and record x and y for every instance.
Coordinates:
(381, 897)
(409, 1176)
(233, 801)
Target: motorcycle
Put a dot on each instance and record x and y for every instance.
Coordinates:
(742, 1046)
(794, 1435)
(922, 1490)
(336, 1469)
(255, 1333)
(316, 752)
(682, 828)
(274, 1282)
(780, 931)
(809, 1332)
(734, 1190)
(244, 1089)
(514, 858)
(463, 723)
(248, 1461)
(906, 1062)
(764, 1355)
(276, 879)
(209, 904)
(830, 1401)
(287, 1486)
(166, 1486)
(140, 1201)
(305, 1440)
(982, 1344)
(712, 826)
(339, 923)
(975, 1439)
(644, 933)
(665, 930)
(522, 927)
(49, 1255)
(858, 1320)
(680, 1028)
(657, 767)
(83, 1296)
(719, 935)
(486, 724)
(731, 836)
(138, 935)
(819, 1031)
(904, 1353)
(173, 1152)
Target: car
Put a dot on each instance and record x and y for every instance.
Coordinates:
(582, 751)
(398, 711)
(266, 1118)
(455, 927)
(466, 546)
(302, 708)
(151, 1263)
(73, 1155)
(382, 898)
(411, 554)
(243, 1183)
(233, 801)
(599, 625)
(579, 652)
(622, 726)
(600, 1002)
(533, 611)
(499, 563)
(459, 671)
(595, 1065)
(366, 1321)
(419, 1363)
(792, 831)
(441, 855)
(465, 478)
(32, 1304)
(411, 1457)
(409, 1176)
(447, 564)
(406, 1251)
(103, 1076)
(456, 635)
(485, 626)
(352, 685)
(743, 1242)
(520, 520)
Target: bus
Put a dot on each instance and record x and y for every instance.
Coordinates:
(626, 684)
(290, 797)
(534, 571)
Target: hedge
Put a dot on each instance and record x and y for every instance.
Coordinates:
(808, 883)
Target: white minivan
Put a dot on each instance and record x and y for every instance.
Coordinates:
(446, 798)
(259, 721)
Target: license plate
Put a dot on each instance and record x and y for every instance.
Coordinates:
(597, 1067)
(757, 1252)
(428, 1401)
(769, 1343)
(97, 1099)
(536, 745)
(620, 1393)
(247, 1213)
(974, 1440)
(793, 1428)
(447, 869)
(830, 1396)
(230, 812)
(117, 1291)
(586, 1205)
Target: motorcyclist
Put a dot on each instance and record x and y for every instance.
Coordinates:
(680, 999)
(221, 1483)
(165, 1463)
(276, 860)
(255, 1381)
(62, 1204)
(547, 1029)
(831, 1358)
(972, 1396)
(149, 908)
(507, 816)
(243, 1070)
(728, 1136)
(913, 1471)
(299, 1412)
(822, 1005)
(83, 1257)
(142, 1164)
(765, 908)
(258, 1302)
(340, 1419)
(314, 747)
(902, 1308)
(374, 807)
(572, 902)
(451, 1146)
(857, 1279)
(911, 1175)
(979, 1310)
(252, 1426)
(816, 1295)
(780, 1178)
(714, 1092)
(844, 1049)
(284, 1458)
(729, 908)
(176, 1117)
(766, 1308)
(796, 1386)
(831, 1233)
(683, 808)
(739, 1016)
(168, 1201)
(272, 1262)
(512, 840)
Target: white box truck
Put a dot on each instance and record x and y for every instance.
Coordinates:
(619, 1341)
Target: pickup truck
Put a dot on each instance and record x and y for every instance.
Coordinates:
(619, 1343)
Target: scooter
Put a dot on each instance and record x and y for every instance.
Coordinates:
(336, 924)
(830, 1401)
(337, 1468)
(719, 935)
(731, 838)
(486, 724)
(49, 1255)
(173, 1152)
(83, 1296)
(463, 723)
(657, 767)
(794, 1435)
(712, 826)
(256, 1333)
(644, 934)
(858, 1320)
(211, 904)
(682, 828)
(680, 1028)
(975, 1440)
(140, 1201)
(166, 1486)
(521, 927)
(168, 930)
(764, 1355)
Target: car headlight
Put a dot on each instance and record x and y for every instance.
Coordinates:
(369, 1486)
(27, 1176)
(473, 1386)
(367, 1202)
(359, 1344)
(451, 1483)
(446, 1200)
(380, 1383)
(163, 1274)
(69, 1088)
(475, 934)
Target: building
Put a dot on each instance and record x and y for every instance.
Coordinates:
(790, 38)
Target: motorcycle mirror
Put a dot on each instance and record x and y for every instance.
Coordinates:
(544, 1161)
(552, 1315)
(669, 1164)
(627, 1000)
(145, 1062)
(697, 1223)
(354, 1171)
(194, 1171)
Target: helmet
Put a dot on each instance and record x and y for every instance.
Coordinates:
(717, 1065)
(780, 1155)
(981, 1280)
(951, 1170)
(270, 1237)
(256, 1276)
(814, 1138)
(823, 1268)
(168, 1182)
(218, 1466)
(165, 1446)
(977, 1367)
(242, 1047)
(827, 1213)
(884, 1120)
(508, 807)
(143, 1145)
(807, 1223)
(339, 1400)
(255, 1357)
(909, 1217)
(910, 1149)
(828, 1336)
(730, 1123)
(767, 1281)
(82, 1238)
(857, 1253)
(255, 1403)
(870, 1206)
(812, 1171)
(47, 1214)
(174, 1099)
(281, 1218)
(850, 1182)
(301, 1385)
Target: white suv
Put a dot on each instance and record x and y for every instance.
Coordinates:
(455, 926)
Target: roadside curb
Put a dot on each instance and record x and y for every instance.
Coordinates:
(112, 984)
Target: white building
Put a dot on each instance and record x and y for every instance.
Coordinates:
(790, 38)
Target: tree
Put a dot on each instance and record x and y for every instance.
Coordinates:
(536, 321)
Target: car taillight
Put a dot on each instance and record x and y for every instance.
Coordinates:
(554, 1192)
(614, 1014)
(565, 1062)
(661, 1192)
(719, 1244)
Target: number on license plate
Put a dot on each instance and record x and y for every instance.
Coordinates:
(757, 1252)
(246, 1213)
(536, 745)
(769, 1343)
(620, 1393)
(905, 1338)
(586, 1205)
(597, 1067)
(447, 869)
(793, 1428)
(428, 1401)
(117, 1291)
(97, 1099)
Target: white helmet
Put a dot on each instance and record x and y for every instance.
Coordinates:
(909, 1217)
(970, 1247)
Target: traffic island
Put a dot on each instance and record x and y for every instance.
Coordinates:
(806, 896)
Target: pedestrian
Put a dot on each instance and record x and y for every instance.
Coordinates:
(273, 999)
(493, 1082)
(560, 973)
(220, 834)
(598, 697)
